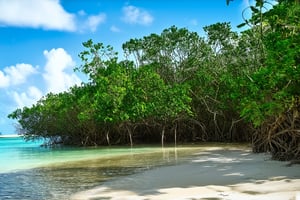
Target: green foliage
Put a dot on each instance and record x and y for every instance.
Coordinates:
(276, 82)
(175, 53)
(198, 87)
(96, 58)
(177, 76)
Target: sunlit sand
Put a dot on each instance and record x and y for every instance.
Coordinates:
(212, 174)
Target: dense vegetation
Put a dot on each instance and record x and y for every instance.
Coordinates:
(178, 86)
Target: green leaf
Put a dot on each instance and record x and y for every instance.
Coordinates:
(241, 25)
(254, 10)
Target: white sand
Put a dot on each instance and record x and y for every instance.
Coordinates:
(210, 175)
(10, 136)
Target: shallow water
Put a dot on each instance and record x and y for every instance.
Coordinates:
(31, 172)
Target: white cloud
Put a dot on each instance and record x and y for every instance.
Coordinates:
(15, 75)
(114, 29)
(28, 98)
(90, 23)
(4, 80)
(93, 21)
(19, 73)
(47, 14)
(56, 75)
(134, 15)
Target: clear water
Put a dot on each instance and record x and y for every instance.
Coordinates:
(17, 154)
(31, 172)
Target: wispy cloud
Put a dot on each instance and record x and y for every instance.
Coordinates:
(15, 75)
(94, 21)
(194, 22)
(46, 14)
(81, 13)
(114, 29)
(134, 15)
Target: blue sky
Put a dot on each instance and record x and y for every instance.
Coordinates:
(40, 39)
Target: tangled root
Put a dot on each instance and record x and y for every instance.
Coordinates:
(280, 136)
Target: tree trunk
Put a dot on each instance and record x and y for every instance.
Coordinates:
(107, 138)
(175, 135)
(162, 137)
(130, 136)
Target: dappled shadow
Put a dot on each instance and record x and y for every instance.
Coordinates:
(231, 170)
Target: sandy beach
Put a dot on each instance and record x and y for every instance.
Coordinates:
(214, 174)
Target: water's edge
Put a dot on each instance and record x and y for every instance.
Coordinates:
(31, 172)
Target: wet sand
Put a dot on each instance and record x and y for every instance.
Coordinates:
(213, 174)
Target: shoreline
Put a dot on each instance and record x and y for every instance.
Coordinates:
(10, 136)
(211, 174)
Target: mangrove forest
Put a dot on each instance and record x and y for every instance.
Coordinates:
(180, 87)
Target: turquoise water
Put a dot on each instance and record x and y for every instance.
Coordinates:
(16, 154)
(20, 155)
(31, 172)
